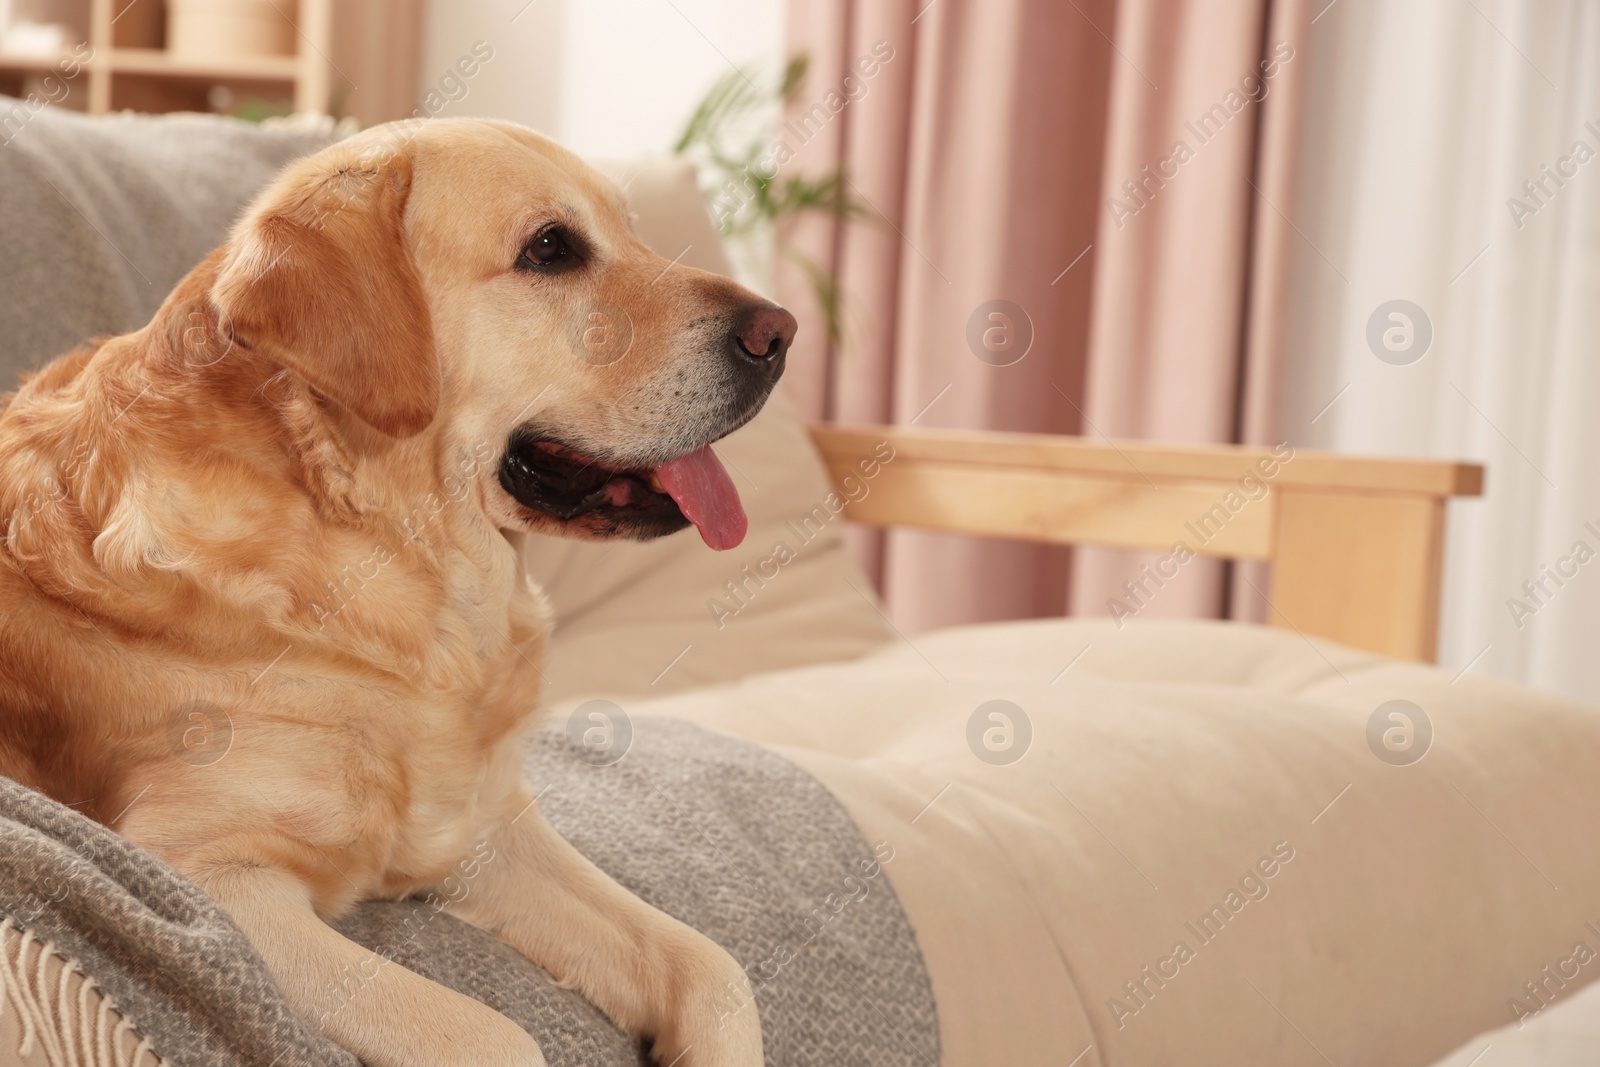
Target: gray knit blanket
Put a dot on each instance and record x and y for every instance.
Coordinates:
(733, 840)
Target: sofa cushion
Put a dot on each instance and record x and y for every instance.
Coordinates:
(1180, 835)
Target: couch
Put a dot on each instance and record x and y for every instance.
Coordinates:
(1117, 841)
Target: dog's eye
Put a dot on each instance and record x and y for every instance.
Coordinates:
(552, 248)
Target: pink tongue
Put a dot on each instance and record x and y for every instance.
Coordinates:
(706, 496)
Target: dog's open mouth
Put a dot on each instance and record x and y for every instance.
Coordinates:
(568, 485)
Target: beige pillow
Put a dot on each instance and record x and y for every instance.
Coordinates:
(666, 615)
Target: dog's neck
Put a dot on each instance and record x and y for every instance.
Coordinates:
(333, 535)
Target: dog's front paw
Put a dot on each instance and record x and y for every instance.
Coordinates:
(508, 1044)
(476, 1036)
(713, 1021)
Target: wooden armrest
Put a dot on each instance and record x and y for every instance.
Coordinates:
(1357, 543)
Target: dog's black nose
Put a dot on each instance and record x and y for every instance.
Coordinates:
(762, 334)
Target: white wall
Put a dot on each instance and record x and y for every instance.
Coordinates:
(608, 78)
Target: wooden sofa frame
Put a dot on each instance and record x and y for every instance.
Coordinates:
(1356, 544)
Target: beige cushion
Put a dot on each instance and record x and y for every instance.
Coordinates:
(635, 618)
(1166, 764)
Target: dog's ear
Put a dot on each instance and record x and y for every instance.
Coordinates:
(318, 279)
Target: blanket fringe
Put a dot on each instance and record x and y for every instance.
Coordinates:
(67, 1030)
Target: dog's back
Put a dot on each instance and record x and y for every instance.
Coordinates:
(45, 448)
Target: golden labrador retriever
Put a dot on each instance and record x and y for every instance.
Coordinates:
(292, 505)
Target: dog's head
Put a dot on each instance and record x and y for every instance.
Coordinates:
(475, 280)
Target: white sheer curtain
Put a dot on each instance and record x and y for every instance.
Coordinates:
(1425, 120)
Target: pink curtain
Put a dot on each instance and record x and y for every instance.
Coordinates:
(1194, 240)
(992, 142)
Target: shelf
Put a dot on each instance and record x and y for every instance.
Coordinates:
(232, 68)
(30, 63)
(377, 43)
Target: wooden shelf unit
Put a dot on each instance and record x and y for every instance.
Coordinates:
(352, 57)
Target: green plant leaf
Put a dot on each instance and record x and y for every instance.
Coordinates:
(825, 289)
(729, 135)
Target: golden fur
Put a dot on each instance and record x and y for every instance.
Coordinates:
(275, 510)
